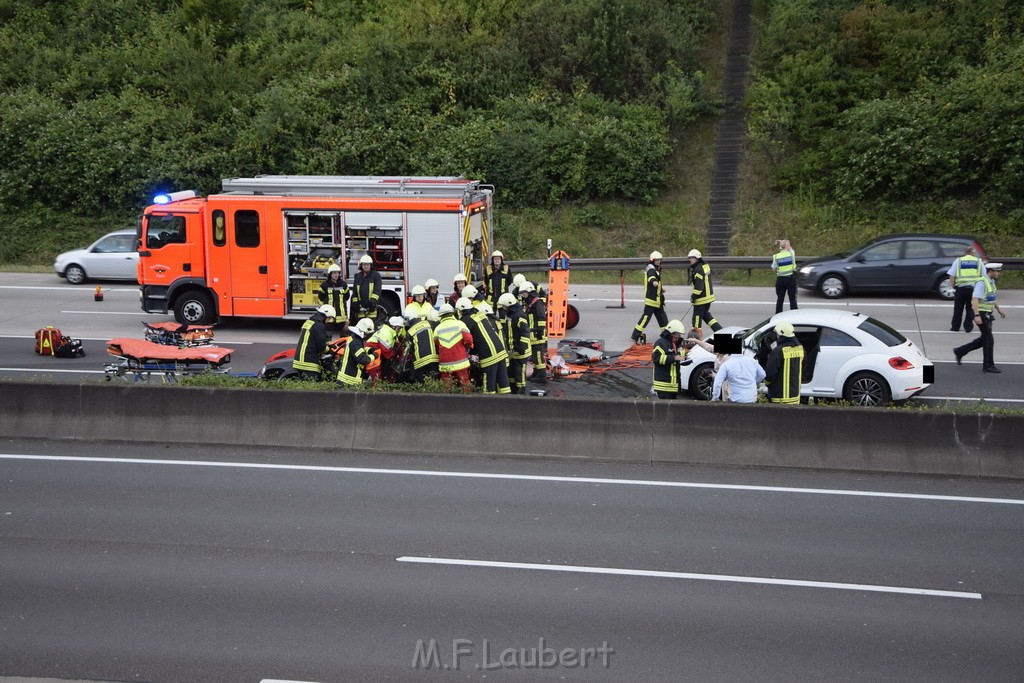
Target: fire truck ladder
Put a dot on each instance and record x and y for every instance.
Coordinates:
(371, 186)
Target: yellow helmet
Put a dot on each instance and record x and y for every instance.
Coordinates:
(675, 327)
(785, 329)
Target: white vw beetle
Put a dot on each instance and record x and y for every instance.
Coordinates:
(847, 355)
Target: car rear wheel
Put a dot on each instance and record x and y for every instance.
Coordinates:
(833, 286)
(74, 274)
(867, 389)
(194, 308)
(702, 381)
(944, 289)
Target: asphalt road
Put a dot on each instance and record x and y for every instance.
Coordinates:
(30, 301)
(210, 566)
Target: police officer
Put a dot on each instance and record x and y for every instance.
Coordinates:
(984, 306)
(537, 317)
(496, 278)
(963, 275)
(784, 265)
(666, 357)
(313, 343)
(517, 340)
(367, 285)
(334, 291)
(654, 298)
(703, 291)
(785, 365)
(357, 356)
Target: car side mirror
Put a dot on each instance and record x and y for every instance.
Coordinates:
(860, 259)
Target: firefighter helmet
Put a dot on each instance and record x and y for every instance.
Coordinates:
(364, 327)
(675, 327)
(418, 290)
(333, 268)
(784, 329)
(431, 283)
(463, 304)
(655, 256)
(526, 287)
(518, 279)
(694, 253)
(469, 291)
(497, 254)
(446, 309)
(506, 300)
(328, 311)
(365, 258)
(485, 308)
(396, 321)
(459, 277)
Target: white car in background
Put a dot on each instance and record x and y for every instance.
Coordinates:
(112, 257)
(847, 355)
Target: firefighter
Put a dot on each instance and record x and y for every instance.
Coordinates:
(654, 299)
(453, 341)
(537, 317)
(432, 286)
(965, 272)
(386, 342)
(421, 342)
(703, 291)
(419, 300)
(357, 356)
(475, 296)
(458, 282)
(367, 286)
(785, 365)
(666, 358)
(313, 343)
(984, 305)
(784, 265)
(517, 282)
(334, 291)
(496, 278)
(516, 331)
(488, 346)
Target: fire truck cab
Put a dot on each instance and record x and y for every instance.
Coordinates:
(263, 245)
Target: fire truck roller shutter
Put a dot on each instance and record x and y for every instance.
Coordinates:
(434, 247)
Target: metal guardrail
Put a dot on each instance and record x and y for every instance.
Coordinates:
(679, 262)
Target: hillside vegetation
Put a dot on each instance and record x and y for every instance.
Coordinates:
(594, 119)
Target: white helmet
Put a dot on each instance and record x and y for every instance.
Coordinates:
(498, 254)
(526, 287)
(328, 311)
(785, 329)
(459, 277)
(485, 308)
(333, 268)
(365, 258)
(518, 279)
(446, 309)
(364, 327)
(418, 290)
(506, 300)
(463, 304)
(655, 256)
(412, 312)
(396, 321)
(675, 327)
(431, 283)
(433, 316)
(469, 291)
(694, 253)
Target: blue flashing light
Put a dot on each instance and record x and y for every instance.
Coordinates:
(162, 199)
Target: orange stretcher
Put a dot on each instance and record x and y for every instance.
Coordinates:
(174, 334)
(139, 359)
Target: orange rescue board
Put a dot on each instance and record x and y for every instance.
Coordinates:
(558, 294)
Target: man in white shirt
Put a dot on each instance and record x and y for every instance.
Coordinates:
(743, 375)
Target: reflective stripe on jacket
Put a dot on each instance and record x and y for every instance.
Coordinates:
(356, 358)
(783, 370)
(988, 303)
(968, 271)
(666, 370)
(421, 336)
(487, 343)
(453, 341)
(653, 294)
(784, 262)
(312, 343)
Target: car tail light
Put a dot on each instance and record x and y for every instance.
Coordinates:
(900, 363)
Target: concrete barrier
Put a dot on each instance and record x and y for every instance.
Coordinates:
(918, 442)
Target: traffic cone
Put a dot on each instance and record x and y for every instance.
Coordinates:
(98, 296)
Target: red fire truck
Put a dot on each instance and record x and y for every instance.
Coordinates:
(263, 245)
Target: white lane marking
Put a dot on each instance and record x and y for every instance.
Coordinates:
(282, 680)
(512, 477)
(969, 398)
(48, 370)
(113, 313)
(578, 569)
(106, 339)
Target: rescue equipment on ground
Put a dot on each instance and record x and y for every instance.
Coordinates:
(138, 360)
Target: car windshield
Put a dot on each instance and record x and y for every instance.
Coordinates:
(747, 335)
(882, 332)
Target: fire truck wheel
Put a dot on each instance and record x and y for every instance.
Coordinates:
(194, 308)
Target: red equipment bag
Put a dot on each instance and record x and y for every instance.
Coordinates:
(48, 340)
